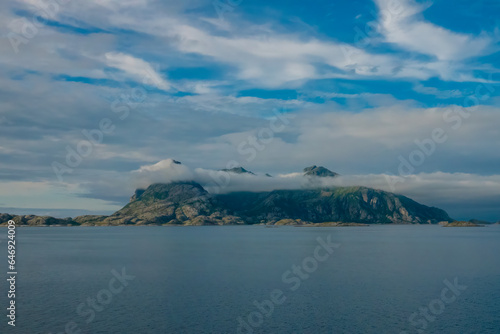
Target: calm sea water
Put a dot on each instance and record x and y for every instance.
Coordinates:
(203, 279)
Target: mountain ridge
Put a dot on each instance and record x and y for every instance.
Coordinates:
(188, 203)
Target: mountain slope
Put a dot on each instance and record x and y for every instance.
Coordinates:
(352, 204)
(174, 203)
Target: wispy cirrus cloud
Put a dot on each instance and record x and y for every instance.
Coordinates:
(403, 25)
(279, 59)
(438, 93)
(137, 69)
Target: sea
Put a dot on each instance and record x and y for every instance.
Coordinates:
(253, 279)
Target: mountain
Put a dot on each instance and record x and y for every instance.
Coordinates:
(319, 171)
(237, 170)
(188, 203)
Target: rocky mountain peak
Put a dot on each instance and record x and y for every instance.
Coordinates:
(319, 171)
(175, 191)
(237, 170)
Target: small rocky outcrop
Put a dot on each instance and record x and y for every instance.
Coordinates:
(459, 224)
(294, 222)
(33, 220)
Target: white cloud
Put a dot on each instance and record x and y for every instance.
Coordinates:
(216, 181)
(117, 4)
(260, 55)
(243, 105)
(280, 59)
(137, 68)
(402, 24)
(370, 141)
(161, 172)
(440, 94)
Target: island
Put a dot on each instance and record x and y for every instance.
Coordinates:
(187, 203)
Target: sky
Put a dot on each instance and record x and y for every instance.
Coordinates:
(97, 97)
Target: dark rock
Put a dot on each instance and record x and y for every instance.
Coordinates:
(138, 193)
(319, 171)
(237, 170)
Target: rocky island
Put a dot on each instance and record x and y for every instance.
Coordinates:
(460, 224)
(188, 203)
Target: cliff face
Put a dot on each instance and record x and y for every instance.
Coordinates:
(188, 203)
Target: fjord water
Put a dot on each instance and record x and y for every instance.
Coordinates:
(202, 279)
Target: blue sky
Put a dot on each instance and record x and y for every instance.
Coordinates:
(363, 82)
